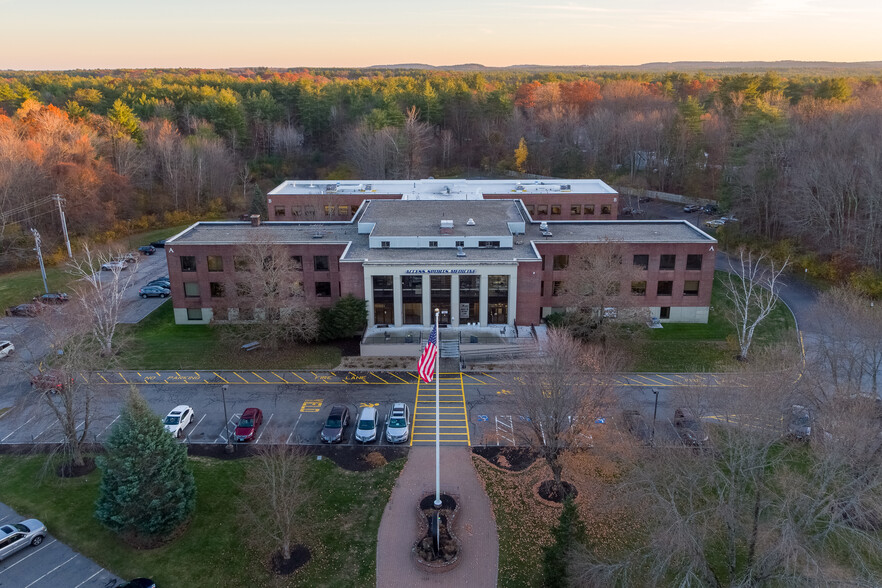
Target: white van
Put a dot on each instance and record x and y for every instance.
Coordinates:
(366, 430)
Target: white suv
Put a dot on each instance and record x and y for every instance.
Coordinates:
(398, 423)
(6, 349)
(178, 419)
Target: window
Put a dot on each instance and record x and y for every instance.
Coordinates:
(297, 262)
(320, 264)
(665, 288)
(665, 312)
(531, 208)
(543, 263)
(329, 209)
(323, 289)
(191, 289)
(589, 209)
(218, 289)
(309, 211)
(220, 314)
(542, 288)
(667, 262)
(343, 210)
(638, 288)
(280, 211)
(242, 289)
(296, 211)
(605, 209)
(246, 314)
(690, 288)
(188, 263)
(215, 263)
(194, 314)
(575, 210)
(693, 261)
(556, 288)
(555, 209)
(433, 243)
(488, 244)
(561, 262)
(385, 244)
(460, 243)
(240, 264)
(641, 261)
(542, 209)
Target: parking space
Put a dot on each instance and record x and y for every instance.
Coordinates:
(50, 564)
(244, 377)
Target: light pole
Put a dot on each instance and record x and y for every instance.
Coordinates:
(654, 413)
(229, 448)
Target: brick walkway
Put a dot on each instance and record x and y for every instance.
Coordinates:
(474, 525)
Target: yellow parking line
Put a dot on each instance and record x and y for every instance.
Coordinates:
(656, 382)
(412, 375)
(103, 378)
(181, 377)
(304, 381)
(123, 377)
(85, 379)
(399, 377)
(139, 374)
(475, 379)
(668, 379)
(489, 376)
(220, 376)
(241, 378)
(378, 377)
(280, 377)
(258, 375)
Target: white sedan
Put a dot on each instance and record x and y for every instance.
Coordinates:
(178, 419)
(117, 264)
(6, 349)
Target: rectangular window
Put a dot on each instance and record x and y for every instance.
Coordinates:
(240, 264)
(542, 288)
(320, 263)
(556, 288)
(280, 211)
(665, 288)
(188, 263)
(531, 208)
(343, 210)
(309, 211)
(460, 243)
(191, 289)
(555, 209)
(589, 209)
(641, 261)
(575, 210)
(242, 289)
(194, 314)
(385, 244)
(665, 312)
(693, 261)
(323, 289)
(412, 299)
(220, 314)
(217, 289)
(542, 209)
(667, 262)
(605, 209)
(384, 300)
(246, 314)
(561, 262)
(543, 263)
(433, 243)
(297, 262)
(638, 288)
(690, 288)
(296, 211)
(329, 209)
(215, 263)
(488, 244)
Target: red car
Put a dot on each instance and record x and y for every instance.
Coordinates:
(52, 380)
(248, 424)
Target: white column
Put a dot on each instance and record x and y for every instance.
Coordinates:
(485, 280)
(512, 296)
(428, 313)
(369, 297)
(454, 300)
(398, 303)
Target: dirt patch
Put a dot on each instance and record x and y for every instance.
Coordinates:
(69, 470)
(512, 459)
(300, 555)
(359, 459)
(547, 491)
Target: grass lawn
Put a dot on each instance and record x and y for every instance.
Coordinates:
(19, 287)
(211, 551)
(158, 343)
(707, 347)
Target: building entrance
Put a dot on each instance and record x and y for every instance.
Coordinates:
(440, 297)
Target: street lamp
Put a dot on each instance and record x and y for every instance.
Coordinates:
(654, 413)
(229, 448)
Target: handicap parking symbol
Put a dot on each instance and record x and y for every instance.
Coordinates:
(483, 418)
(599, 420)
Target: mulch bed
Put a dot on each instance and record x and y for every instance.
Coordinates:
(68, 470)
(512, 459)
(349, 347)
(300, 555)
(356, 459)
(545, 491)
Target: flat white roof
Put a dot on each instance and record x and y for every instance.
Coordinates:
(450, 189)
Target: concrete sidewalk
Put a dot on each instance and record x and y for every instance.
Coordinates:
(474, 526)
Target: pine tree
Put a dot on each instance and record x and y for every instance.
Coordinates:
(569, 531)
(147, 488)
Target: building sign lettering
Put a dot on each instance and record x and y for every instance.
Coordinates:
(439, 271)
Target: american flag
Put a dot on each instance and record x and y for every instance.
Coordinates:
(427, 359)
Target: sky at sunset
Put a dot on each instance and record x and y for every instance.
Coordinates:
(338, 33)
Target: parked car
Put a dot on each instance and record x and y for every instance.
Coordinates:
(644, 199)
(398, 423)
(32, 309)
(692, 208)
(126, 257)
(138, 583)
(636, 425)
(148, 291)
(248, 424)
(160, 244)
(52, 381)
(337, 420)
(6, 349)
(689, 428)
(114, 265)
(161, 283)
(366, 430)
(627, 211)
(798, 423)
(178, 419)
(52, 298)
(711, 208)
(147, 249)
(713, 224)
(728, 219)
(14, 538)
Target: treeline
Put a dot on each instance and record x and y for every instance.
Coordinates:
(794, 157)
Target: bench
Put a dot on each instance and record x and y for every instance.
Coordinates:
(251, 346)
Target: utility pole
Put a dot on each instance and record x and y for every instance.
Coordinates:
(40, 257)
(57, 198)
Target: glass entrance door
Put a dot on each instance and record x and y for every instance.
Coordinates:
(440, 296)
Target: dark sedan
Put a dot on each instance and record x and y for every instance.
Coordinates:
(52, 298)
(637, 425)
(689, 427)
(25, 310)
(148, 291)
(336, 423)
(159, 244)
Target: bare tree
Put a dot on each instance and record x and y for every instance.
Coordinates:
(99, 292)
(276, 489)
(753, 290)
(561, 392)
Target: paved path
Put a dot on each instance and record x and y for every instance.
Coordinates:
(475, 525)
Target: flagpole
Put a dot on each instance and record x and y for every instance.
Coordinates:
(437, 414)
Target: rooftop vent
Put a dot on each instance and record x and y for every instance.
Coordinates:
(331, 188)
(470, 222)
(519, 188)
(447, 224)
(368, 187)
(543, 226)
(317, 235)
(459, 251)
(447, 189)
(565, 187)
(255, 220)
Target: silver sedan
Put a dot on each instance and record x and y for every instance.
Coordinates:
(16, 537)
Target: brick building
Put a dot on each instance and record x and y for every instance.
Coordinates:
(482, 258)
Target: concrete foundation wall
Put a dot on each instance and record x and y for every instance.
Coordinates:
(181, 317)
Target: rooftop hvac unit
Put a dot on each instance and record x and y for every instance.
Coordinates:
(459, 251)
(331, 188)
(519, 188)
(565, 187)
(447, 224)
(470, 222)
(543, 226)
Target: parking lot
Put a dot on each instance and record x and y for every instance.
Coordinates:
(50, 564)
